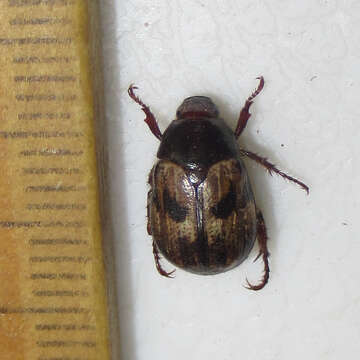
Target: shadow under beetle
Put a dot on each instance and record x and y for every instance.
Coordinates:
(201, 209)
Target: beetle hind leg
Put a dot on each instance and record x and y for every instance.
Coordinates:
(150, 118)
(263, 252)
(158, 265)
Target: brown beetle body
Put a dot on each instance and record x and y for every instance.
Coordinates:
(201, 209)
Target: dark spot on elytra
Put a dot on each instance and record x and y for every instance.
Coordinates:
(193, 255)
(173, 208)
(202, 249)
(218, 250)
(226, 205)
(186, 252)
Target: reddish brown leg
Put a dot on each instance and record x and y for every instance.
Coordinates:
(262, 240)
(150, 118)
(244, 113)
(271, 168)
(158, 265)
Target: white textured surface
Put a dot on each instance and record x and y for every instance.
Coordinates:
(309, 53)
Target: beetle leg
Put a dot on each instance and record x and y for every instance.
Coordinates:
(262, 240)
(271, 168)
(150, 118)
(158, 265)
(244, 113)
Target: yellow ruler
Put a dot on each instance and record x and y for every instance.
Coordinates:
(52, 285)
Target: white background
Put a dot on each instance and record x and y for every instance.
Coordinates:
(309, 54)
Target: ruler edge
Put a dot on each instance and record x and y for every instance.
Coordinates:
(100, 134)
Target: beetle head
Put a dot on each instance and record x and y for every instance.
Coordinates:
(195, 107)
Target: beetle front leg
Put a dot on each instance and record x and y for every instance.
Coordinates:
(158, 265)
(244, 113)
(262, 240)
(150, 118)
(271, 168)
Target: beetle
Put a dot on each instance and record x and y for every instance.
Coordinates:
(201, 208)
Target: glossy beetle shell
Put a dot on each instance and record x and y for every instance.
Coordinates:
(201, 208)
